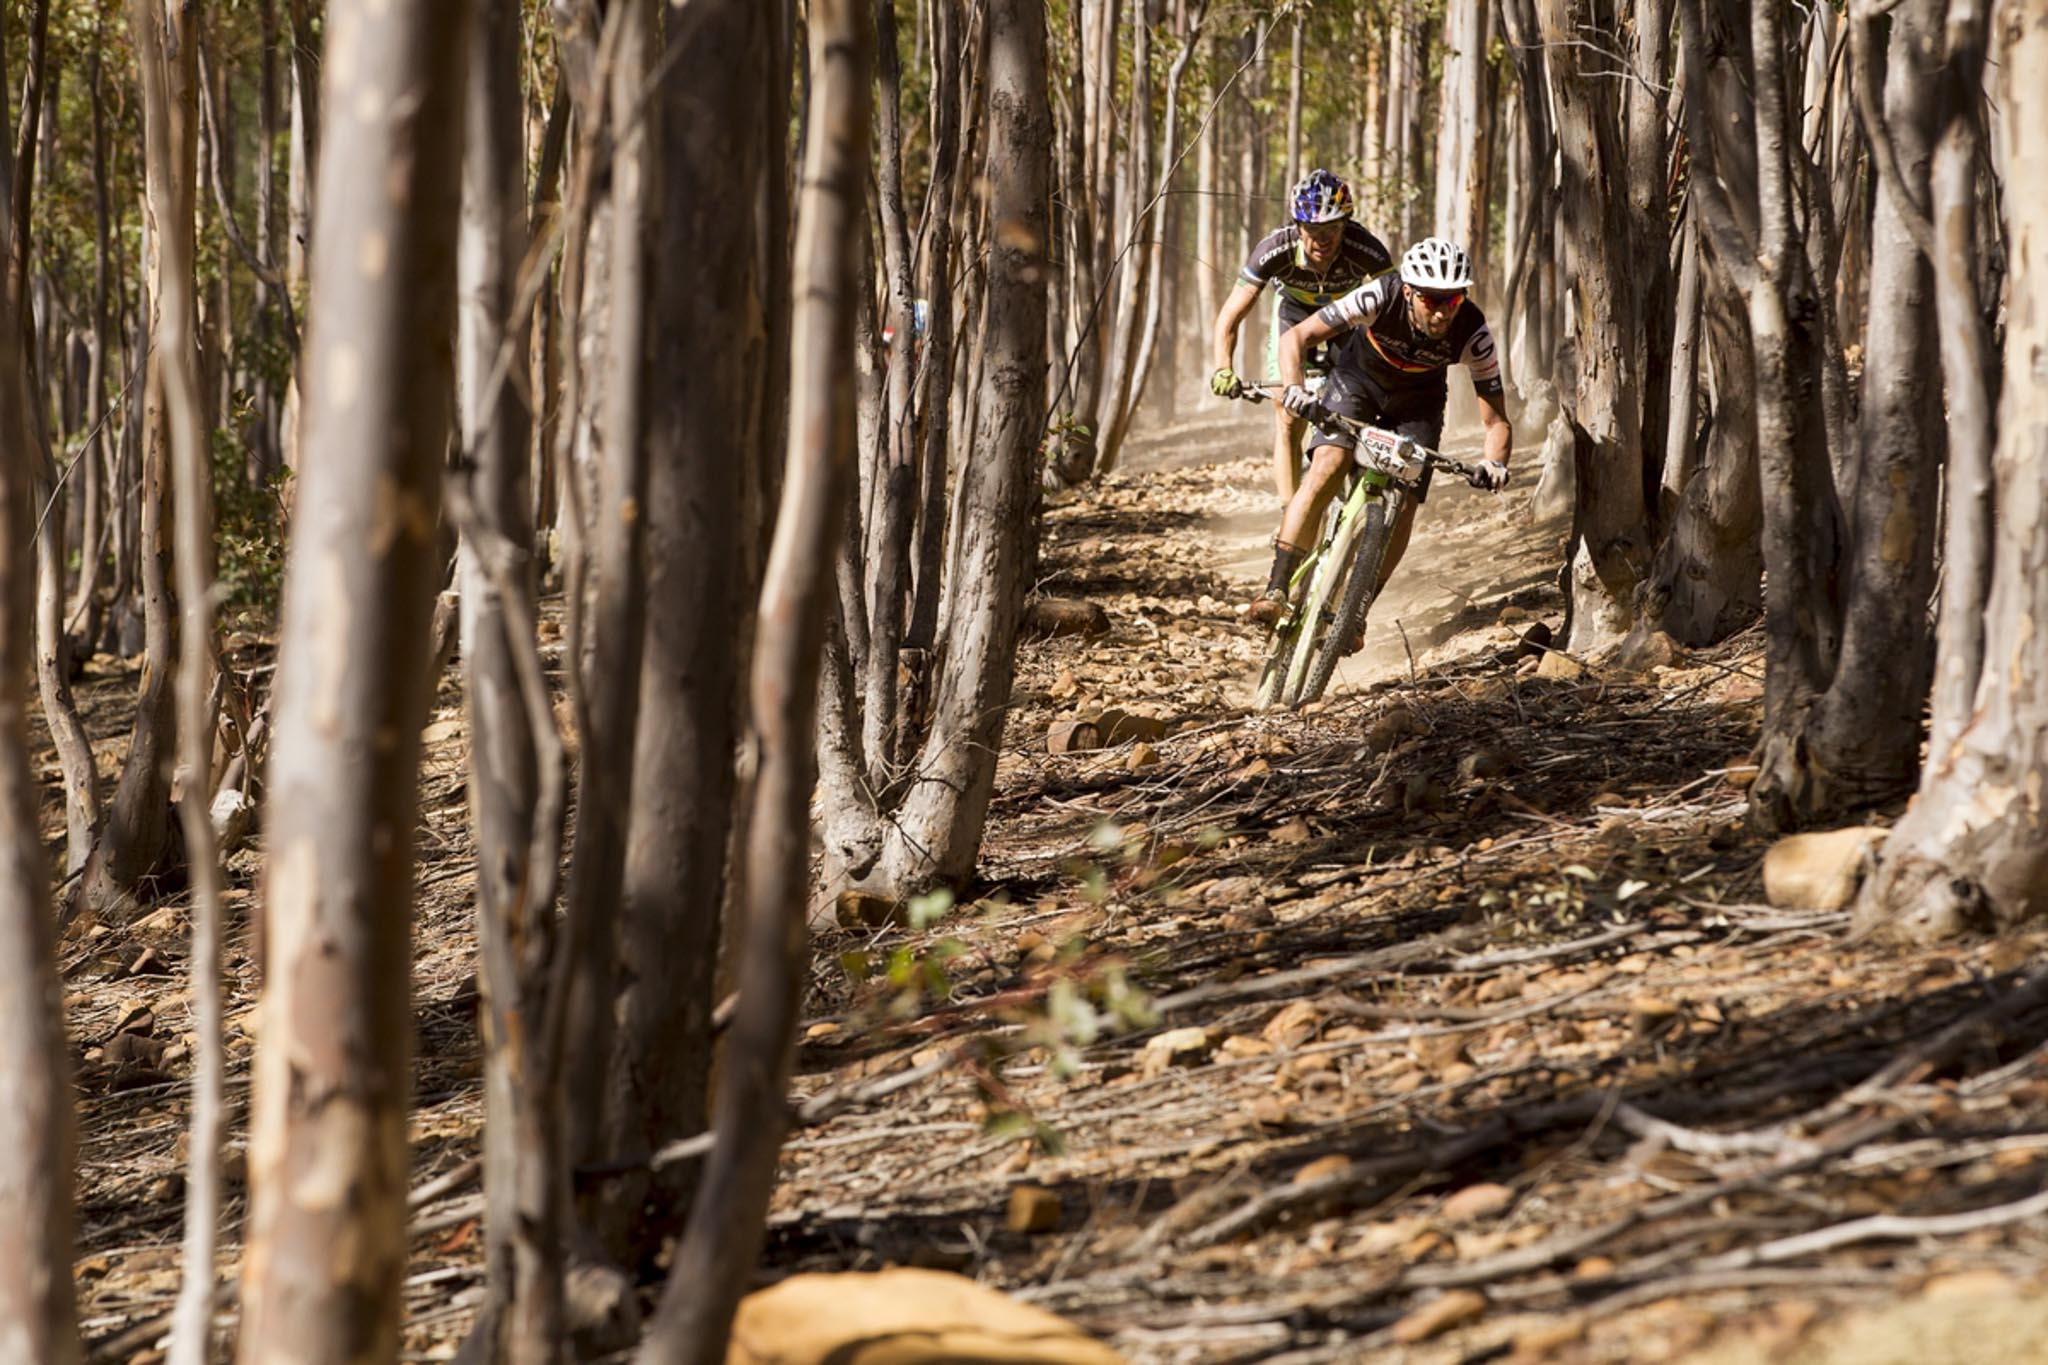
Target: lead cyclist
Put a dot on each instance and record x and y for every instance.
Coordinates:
(1394, 339)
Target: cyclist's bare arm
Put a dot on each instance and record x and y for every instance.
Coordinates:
(1500, 432)
(1297, 341)
(1235, 309)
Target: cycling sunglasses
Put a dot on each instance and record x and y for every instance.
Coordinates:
(1440, 300)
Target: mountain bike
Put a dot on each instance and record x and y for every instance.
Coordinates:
(1343, 568)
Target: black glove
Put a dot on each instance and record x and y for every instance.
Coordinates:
(1301, 402)
(1491, 475)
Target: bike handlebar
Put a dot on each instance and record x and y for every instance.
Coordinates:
(1393, 450)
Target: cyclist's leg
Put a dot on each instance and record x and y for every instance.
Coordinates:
(1329, 455)
(1287, 428)
(1424, 431)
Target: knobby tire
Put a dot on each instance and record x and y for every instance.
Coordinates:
(1360, 587)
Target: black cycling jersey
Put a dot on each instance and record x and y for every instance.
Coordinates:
(1281, 260)
(1400, 364)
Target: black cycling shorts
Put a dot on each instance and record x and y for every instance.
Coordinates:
(1419, 417)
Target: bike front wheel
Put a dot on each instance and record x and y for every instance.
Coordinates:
(1360, 587)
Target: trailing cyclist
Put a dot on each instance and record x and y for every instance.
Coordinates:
(1321, 256)
(1395, 336)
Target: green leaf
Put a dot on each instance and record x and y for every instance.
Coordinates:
(926, 910)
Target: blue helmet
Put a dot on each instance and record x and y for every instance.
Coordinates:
(1321, 198)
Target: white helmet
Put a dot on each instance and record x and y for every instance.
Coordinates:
(1435, 263)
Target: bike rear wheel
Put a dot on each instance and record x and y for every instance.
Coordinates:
(1360, 587)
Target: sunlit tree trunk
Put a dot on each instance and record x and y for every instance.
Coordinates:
(1966, 358)
(167, 41)
(1465, 129)
(1972, 848)
(324, 1254)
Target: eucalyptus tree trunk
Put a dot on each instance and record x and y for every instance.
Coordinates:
(324, 1260)
(1465, 130)
(1157, 233)
(1213, 272)
(1863, 740)
(135, 838)
(935, 375)
(1610, 534)
(36, 1218)
(608, 711)
(1372, 131)
(714, 1262)
(82, 616)
(1966, 359)
(1527, 312)
(53, 646)
(1649, 215)
(708, 422)
(1297, 76)
(1804, 549)
(1681, 435)
(1971, 850)
(517, 832)
(892, 494)
(167, 41)
(1135, 201)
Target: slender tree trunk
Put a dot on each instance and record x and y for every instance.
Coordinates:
(1135, 201)
(522, 1318)
(1803, 540)
(892, 500)
(35, 1088)
(1864, 739)
(935, 375)
(167, 43)
(715, 1260)
(136, 835)
(1966, 358)
(1681, 444)
(1157, 235)
(324, 1257)
(609, 714)
(1649, 214)
(98, 451)
(1971, 848)
(1213, 271)
(1297, 76)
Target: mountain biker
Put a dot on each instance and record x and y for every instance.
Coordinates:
(1321, 256)
(1399, 335)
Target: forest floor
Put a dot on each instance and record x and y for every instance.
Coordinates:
(1440, 1021)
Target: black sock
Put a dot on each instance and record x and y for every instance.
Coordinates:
(1286, 559)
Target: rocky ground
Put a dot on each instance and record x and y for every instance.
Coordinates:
(1445, 1020)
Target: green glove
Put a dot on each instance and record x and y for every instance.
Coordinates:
(1225, 383)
